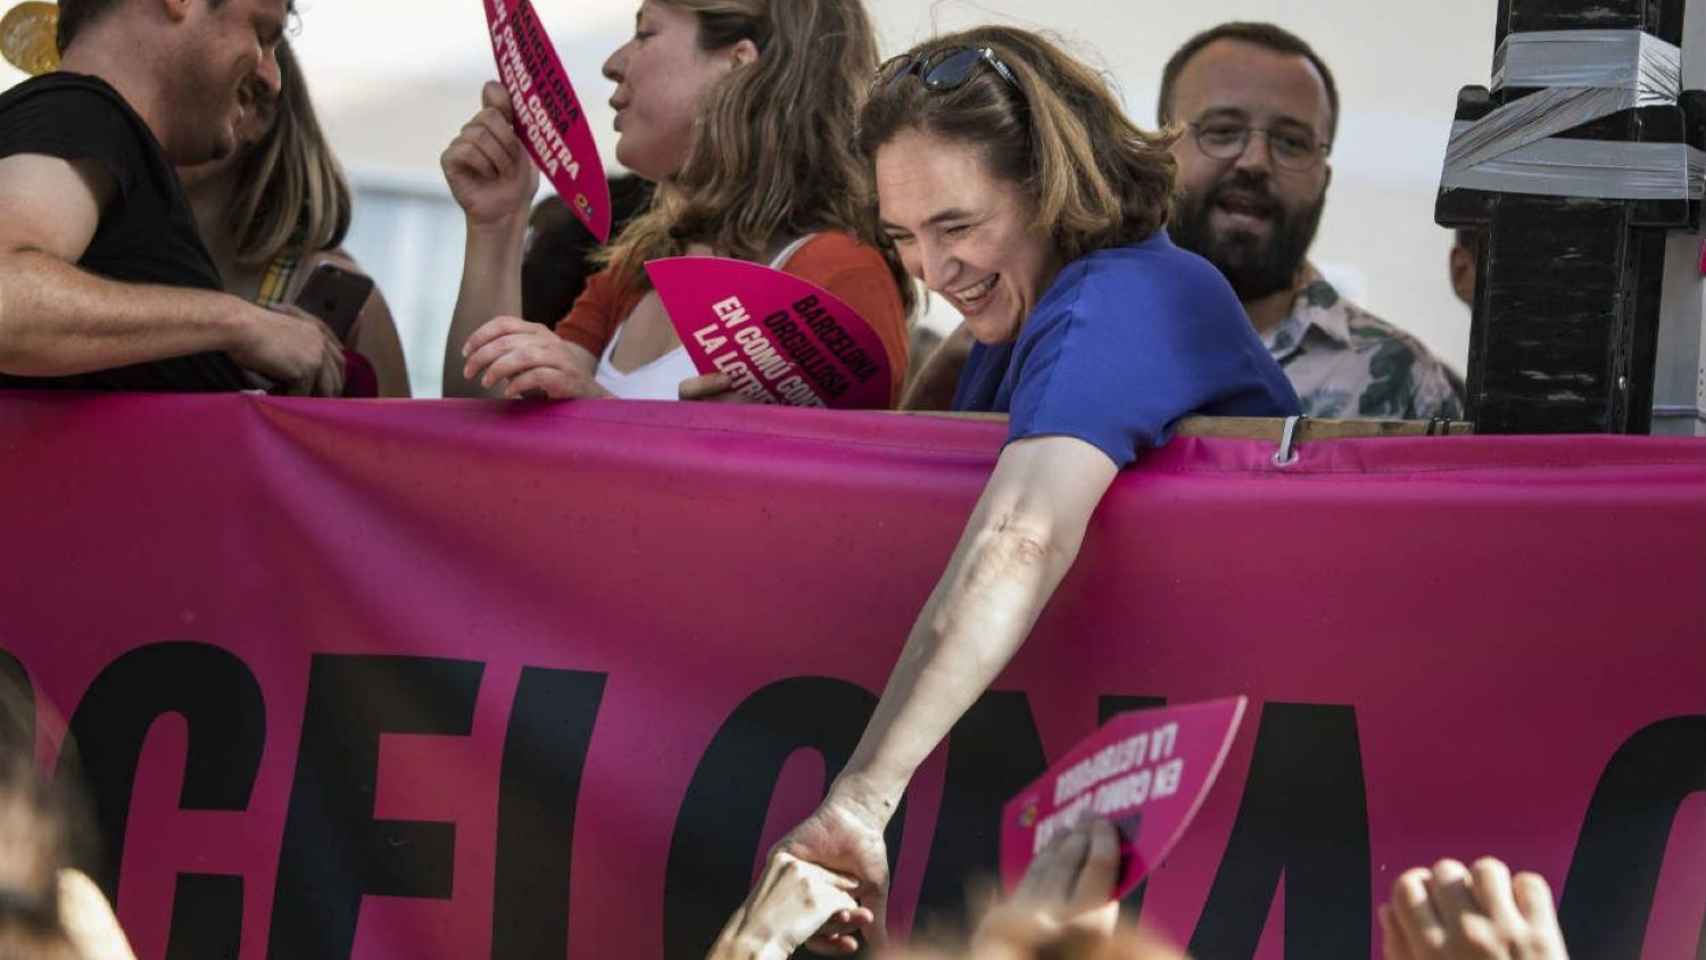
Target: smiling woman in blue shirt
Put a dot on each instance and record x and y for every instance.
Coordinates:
(1009, 181)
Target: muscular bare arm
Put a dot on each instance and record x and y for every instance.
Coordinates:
(59, 320)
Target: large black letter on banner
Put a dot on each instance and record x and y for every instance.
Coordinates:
(334, 851)
(218, 697)
(715, 845)
(1615, 874)
(550, 729)
(207, 917)
(1304, 814)
(993, 752)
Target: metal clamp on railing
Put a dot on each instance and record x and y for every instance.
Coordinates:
(1286, 455)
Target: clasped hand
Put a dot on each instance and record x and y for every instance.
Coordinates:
(526, 360)
(522, 359)
(791, 902)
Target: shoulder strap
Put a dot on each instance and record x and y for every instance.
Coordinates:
(275, 283)
(788, 251)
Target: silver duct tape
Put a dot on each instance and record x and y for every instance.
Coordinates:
(1530, 120)
(1589, 168)
(1584, 75)
(1629, 60)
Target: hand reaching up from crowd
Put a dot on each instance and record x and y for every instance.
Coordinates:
(790, 904)
(1457, 913)
(1063, 908)
(88, 920)
(1070, 885)
(488, 169)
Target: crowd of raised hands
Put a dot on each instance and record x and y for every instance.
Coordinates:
(1062, 908)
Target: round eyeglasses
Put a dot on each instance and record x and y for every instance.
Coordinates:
(1293, 148)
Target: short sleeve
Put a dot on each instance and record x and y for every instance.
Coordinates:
(73, 122)
(592, 321)
(1115, 362)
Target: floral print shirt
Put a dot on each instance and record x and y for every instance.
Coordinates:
(1346, 363)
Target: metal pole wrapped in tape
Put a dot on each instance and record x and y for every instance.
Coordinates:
(1583, 76)
(1589, 168)
(1632, 60)
(1568, 177)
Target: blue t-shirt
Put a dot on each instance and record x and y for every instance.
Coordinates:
(1126, 342)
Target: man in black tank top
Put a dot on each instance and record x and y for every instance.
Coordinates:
(104, 281)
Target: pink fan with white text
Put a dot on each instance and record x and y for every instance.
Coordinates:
(779, 338)
(548, 116)
(1147, 771)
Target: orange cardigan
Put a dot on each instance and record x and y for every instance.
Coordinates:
(837, 262)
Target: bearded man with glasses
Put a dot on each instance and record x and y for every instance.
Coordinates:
(1260, 111)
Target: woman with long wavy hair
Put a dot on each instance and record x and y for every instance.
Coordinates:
(742, 112)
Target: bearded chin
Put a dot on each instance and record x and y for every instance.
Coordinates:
(1254, 268)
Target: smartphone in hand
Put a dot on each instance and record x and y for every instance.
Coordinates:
(336, 296)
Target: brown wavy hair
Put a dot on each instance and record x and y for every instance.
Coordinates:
(1096, 180)
(292, 195)
(772, 153)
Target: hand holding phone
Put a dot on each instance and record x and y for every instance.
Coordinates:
(336, 296)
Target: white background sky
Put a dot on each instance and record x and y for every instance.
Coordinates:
(395, 79)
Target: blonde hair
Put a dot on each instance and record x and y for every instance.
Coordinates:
(772, 154)
(292, 196)
(1096, 180)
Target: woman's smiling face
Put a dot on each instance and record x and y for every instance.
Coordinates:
(968, 234)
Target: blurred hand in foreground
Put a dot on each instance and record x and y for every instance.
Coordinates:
(1453, 912)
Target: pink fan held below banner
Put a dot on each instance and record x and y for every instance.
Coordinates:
(548, 116)
(1148, 772)
(781, 339)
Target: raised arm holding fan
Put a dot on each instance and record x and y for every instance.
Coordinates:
(758, 183)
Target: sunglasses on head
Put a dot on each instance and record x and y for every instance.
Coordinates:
(944, 70)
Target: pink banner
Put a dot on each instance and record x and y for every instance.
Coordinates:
(548, 115)
(780, 339)
(462, 679)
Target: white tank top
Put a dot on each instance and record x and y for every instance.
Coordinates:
(661, 379)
